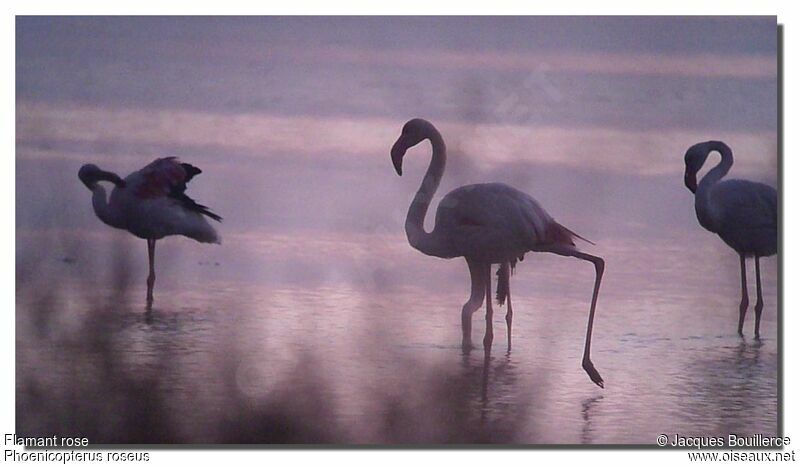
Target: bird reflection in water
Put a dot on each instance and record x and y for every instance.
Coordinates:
(730, 394)
(492, 383)
(587, 410)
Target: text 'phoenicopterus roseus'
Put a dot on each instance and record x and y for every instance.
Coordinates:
(487, 224)
(743, 213)
(151, 203)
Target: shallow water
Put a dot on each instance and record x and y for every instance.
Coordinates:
(666, 347)
(315, 321)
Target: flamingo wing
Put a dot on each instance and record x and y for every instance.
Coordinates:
(488, 205)
(167, 177)
(499, 219)
(748, 215)
(746, 205)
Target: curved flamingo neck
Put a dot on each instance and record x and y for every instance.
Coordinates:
(720, 170)
(423, 241)
(102, 209)
(704, 207)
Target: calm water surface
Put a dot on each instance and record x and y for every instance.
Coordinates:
(666, 347)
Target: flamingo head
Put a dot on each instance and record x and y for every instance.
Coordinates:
(694, 159)
(91, 174)
(414, 132)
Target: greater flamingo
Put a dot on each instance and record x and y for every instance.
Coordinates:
(151, 203)
(489, 223)
(743, 213)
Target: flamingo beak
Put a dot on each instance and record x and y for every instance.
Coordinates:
(398, 151)
(690, 179)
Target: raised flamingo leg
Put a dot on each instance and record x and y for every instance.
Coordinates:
(489, 336)
(759, 300)
(745, 302)
(509, 313)
(475, 301)
(599, 267)
(151, 278)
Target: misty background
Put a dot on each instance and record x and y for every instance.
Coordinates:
(291, 120)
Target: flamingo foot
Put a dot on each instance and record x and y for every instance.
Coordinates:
(594, 375)
(151, 281)
(508, 332)
(466, 345)
(488, 338)
(149, 302)
(487, 355)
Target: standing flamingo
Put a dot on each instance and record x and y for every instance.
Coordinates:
(151, 203)
(487, 224)
(743, 213)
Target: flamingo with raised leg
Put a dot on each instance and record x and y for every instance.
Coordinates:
(743, 213)
(151, 203)
(489, 223)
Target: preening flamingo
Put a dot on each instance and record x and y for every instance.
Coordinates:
(151, 203)
(489, 223)
(743, 213)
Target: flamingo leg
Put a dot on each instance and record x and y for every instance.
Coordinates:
(475, 301)
(745, 302)
(759, 299)
(489, 336)
(509, 313)
(599, 267)
(151, 278)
